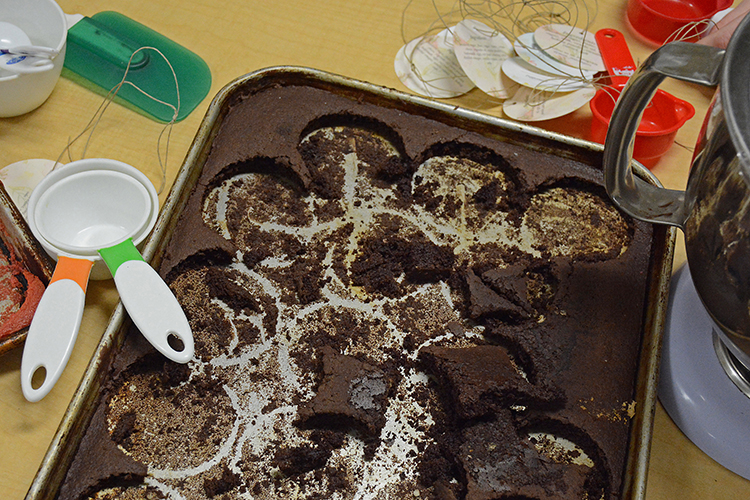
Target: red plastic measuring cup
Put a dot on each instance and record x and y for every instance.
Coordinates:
(658, 20)
(661, 119)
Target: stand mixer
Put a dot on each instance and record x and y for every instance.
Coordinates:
(705, 371)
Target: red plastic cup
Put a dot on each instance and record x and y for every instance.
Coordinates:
(661, 119)
(656, 20)
(657, 130)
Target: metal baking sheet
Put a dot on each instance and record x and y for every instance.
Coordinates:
(27, 250)
(80, 411)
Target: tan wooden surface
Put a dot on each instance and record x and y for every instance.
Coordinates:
(355, 38)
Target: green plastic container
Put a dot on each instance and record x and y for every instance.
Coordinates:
(98, 51)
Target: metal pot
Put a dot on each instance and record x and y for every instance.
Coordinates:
(714, 210)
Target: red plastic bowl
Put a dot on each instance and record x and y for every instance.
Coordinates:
(657, 20)
(664, 115)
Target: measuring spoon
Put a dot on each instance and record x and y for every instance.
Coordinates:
(99, 197)
(664, 115)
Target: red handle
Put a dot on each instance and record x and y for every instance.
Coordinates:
(616, 55)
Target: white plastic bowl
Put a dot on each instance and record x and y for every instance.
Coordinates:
(100, 270)
(45, 24)
(91, 210)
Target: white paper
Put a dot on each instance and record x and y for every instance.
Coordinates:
(428, 66)
(527, 75)
(570, 45)
(481, 52)
(527, 48)
(528, 105)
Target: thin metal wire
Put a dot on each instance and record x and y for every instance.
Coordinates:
(109, 98)
(510, 19)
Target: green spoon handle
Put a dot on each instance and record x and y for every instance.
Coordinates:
(150, 303)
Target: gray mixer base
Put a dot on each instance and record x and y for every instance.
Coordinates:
(694, 388)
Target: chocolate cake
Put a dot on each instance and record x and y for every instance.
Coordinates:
(384, 307)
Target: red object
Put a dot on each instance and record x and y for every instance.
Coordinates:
(20, 292)
(656, 20)
(662, 117)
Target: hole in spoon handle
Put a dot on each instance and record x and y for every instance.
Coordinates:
(54, 328)
(615, 54)
(150, 303)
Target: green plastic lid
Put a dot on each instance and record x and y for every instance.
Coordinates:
(98, 50)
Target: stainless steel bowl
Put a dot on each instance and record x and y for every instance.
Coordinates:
(714, 210)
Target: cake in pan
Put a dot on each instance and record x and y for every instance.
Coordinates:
(384, 307)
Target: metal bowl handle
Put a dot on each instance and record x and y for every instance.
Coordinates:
(680, 60)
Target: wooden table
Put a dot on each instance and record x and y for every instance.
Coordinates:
(355, 38)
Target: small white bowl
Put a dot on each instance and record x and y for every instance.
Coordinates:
(90, 210)
(45, 24)
(139, 234)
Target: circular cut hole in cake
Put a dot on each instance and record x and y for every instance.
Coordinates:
(575, 222)
(126, 492)
(158, 418)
